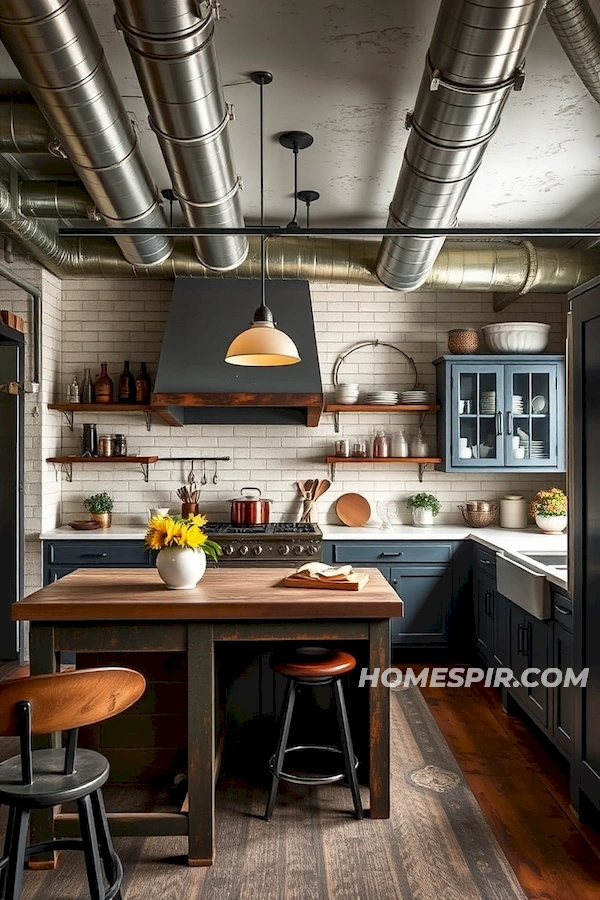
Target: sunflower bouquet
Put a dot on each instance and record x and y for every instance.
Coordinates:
(176, 531)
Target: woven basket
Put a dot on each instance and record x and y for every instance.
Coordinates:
(463, 340)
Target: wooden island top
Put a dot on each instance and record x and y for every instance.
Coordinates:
(222, 594)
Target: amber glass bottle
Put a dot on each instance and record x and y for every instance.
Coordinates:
(103, 386)
(126, 385)
(142, 385)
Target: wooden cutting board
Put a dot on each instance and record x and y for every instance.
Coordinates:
(353, 510)
(354, 582)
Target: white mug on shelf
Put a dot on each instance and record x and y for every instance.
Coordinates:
(158, 511)
(516, 442)
(463, 442)
(519, 452)
(466, 452)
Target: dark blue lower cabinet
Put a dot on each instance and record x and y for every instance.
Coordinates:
(64, 556)
(427, 595)
(563, 711)
(530, 647)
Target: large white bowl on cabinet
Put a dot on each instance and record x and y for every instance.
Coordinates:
(516, 337)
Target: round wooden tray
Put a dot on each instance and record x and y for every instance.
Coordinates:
(353, 510)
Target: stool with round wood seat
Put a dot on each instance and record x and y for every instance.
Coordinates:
(42, 779)
(314, 666)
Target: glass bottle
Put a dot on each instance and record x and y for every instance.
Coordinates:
(126, 385)
(381, 445)
(86, 393)
(401, 444)
(103, 386)
(142, 385)
(73, 392)
(418, 447)
(90, 440)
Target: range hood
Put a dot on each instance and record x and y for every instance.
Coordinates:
(195, 386)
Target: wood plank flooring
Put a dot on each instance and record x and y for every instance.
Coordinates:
(521, 787)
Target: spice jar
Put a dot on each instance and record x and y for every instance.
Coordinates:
(342, 448)
(120, 447)
(418, 446)
(106, 445)
(381, 445)
(359, 449)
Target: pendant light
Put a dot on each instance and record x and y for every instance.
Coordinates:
(262, 344)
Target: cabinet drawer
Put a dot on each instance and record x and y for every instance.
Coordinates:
(392, 552)
(97, 553)
(484, 558)
(562, 610)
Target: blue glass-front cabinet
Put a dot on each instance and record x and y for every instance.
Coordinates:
(501, 413)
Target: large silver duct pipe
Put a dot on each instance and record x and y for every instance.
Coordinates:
(54, 45)
(172, 48)
(474, 61)
(509, 268)
(52, 200)
(576, 27)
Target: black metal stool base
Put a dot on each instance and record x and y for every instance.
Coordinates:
(276, 763)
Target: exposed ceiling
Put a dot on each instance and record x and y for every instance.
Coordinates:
(347, 72)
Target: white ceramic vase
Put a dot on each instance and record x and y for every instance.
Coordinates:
(181, 568)
(551, 524)
(423, 518)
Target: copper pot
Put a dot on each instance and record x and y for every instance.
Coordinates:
(250, 510)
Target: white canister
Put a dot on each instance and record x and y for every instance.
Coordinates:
(513, 512)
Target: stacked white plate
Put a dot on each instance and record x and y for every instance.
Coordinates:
(488, 403)
(346, 393)
(534, 449)
(517, 405)
(383, 398)
(420, 397)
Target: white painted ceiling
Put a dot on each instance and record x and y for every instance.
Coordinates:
(347, 72)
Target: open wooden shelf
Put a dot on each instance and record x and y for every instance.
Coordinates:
(380, 407)
(162, 412)
(420, 461)
(67, 462)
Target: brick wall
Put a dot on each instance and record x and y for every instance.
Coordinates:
(105, 320)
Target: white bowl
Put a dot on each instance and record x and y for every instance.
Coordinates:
(516, 337)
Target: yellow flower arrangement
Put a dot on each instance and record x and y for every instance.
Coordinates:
(549, 503)
(175, 531)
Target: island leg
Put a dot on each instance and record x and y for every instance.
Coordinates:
(43, 661)
(201, 743)
(379, 720)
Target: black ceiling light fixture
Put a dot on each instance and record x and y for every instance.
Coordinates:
(308, 197)
(296, 141)
(262, 344)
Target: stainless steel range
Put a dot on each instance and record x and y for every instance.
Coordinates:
(275, 544)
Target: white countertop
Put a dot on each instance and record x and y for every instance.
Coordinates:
(496, 539)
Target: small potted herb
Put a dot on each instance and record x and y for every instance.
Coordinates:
(549, 509)
(100, 506)
(423, 508)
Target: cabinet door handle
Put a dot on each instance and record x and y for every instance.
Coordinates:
(395, 582)
(527, 641)
(509, 422)
(94, 555)
(498, 423)
(391, 553)
(485, 562)
(562, 610)
(519, 639)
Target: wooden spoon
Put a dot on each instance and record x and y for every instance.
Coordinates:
(308, 486)
(324, 485)
(313, 490)
(301, 489)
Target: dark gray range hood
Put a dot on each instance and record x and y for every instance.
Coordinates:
(195, 386)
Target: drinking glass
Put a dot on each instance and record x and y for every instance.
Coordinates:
(387, 511)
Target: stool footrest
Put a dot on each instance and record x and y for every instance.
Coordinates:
(311, 779)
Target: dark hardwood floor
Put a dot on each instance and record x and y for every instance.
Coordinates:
(522, 787)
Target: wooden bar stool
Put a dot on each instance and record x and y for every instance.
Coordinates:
(42, 779)
(314, 666)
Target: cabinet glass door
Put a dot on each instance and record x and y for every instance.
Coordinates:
(477, 403)
(531, 427)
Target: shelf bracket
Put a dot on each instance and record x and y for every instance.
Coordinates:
(336, 421)
(422, 467)
(332, 468)
(148, 419)
(145, 468)
(67, 468)
(68, 414)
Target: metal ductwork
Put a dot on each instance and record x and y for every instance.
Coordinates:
(23, 129)
(172, 48)
(576, 27)
(474, 61)
(490, 267)
(52, 200)
(54, 45)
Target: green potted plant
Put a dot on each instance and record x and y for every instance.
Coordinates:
(549, 509)
(100, 506)
(423, 508)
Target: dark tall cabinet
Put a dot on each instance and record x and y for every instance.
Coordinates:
(584, 531)
(12, 364)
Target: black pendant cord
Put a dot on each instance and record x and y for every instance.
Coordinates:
(308, 197)
(263, 313)
(294, 221)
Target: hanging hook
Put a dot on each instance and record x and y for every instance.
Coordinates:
(204, 479)
(215, 478)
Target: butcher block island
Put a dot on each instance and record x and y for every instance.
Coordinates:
(111, 612)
